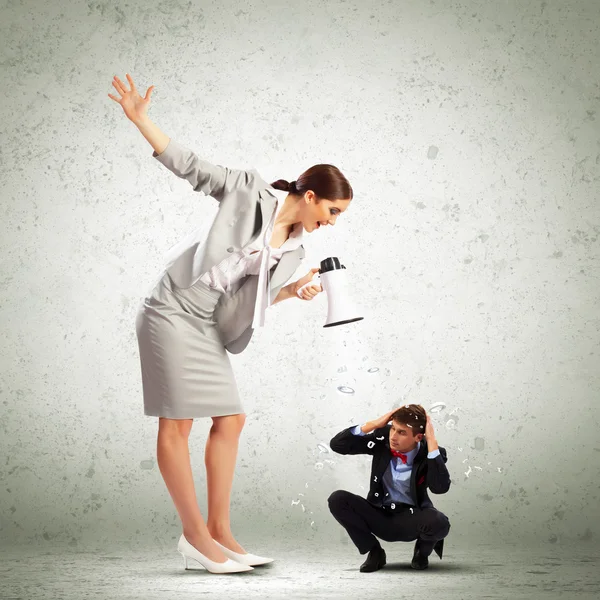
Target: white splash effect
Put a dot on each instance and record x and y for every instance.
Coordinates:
(467, 473)
(295, 502)
(323, 448)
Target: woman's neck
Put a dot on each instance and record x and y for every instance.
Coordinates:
(288, 214)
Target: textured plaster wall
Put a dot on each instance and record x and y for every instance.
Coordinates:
(469, 131)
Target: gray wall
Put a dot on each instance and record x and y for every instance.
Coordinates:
(470, 133)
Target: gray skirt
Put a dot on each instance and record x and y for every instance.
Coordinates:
(186, 371)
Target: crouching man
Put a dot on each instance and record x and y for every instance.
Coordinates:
(407, 461)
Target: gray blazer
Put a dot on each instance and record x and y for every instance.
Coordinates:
(246, 204)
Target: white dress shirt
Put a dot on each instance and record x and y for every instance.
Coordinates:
(258, 258)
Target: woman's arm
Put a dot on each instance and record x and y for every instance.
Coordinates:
(156, 138)
(213, 180)
(291, 289)
(285, 293)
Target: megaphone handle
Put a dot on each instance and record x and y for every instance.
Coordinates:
(299, 292)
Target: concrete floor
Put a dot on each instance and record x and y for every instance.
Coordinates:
(475, 573)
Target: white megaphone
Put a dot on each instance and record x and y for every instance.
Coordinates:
(340, 309)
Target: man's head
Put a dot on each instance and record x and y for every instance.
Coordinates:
(408, 427)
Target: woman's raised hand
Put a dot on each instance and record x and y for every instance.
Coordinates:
(134, 105)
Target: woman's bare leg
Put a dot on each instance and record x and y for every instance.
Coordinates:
(220, 457)
(173, 457)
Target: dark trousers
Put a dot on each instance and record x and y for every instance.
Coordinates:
(363, 522)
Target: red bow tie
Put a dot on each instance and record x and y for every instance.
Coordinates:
(401, 456)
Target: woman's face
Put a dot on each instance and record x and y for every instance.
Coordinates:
(316, 214)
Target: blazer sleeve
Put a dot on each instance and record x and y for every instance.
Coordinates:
(203, 176)
(438, 477)
(345, 442)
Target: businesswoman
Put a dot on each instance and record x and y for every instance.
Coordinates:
(208, 301)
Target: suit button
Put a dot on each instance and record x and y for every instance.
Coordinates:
(230, 249)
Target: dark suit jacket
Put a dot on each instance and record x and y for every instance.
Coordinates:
(427, 473)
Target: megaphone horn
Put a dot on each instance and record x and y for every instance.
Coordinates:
(340, 308)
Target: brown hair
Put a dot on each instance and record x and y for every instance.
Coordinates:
(326, 181)
(412, 415)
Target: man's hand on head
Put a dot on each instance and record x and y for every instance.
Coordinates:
(430, 435)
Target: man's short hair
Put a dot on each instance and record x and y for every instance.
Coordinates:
(413, 416)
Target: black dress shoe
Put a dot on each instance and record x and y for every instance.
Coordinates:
(375, 560)
(419, 561)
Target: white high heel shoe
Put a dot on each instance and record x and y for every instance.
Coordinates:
(252, 560)
(189, 552)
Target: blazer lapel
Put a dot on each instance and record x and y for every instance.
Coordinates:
(417, 462)
(286, 267)
(267, 207)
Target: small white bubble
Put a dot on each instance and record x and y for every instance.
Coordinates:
(411, 511)
(380, 439)
(312, 523)
(303, 509)
(437, 407)
(376, 494)
(370, 444)
(393, 506)
(323, 447)
(318, 466)
(344, 389)
(479, 468)
(464, 461)
(295, 502)
(467, 473)
(373, 370)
